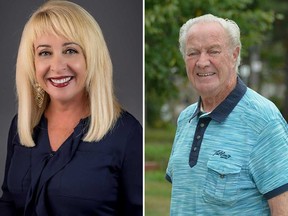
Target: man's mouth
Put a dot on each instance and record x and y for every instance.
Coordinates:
(205, 74)
(60, 82)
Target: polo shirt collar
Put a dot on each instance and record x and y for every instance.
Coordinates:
(221, 112)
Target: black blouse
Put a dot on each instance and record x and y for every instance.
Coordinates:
(80, 178)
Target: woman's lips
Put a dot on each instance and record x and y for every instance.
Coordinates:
(60, 82)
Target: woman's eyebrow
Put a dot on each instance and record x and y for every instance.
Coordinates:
(42, 45)
(64, 44)
(71, 43)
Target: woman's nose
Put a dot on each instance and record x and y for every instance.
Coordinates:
(58, 63)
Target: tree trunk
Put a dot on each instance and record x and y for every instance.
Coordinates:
(285, 109)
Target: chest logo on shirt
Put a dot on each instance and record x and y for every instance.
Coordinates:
(221, 154)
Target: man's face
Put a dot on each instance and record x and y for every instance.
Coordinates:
(210, 61)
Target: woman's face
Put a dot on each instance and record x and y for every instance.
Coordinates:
(60, 68)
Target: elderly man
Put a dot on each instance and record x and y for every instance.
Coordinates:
(230, 153)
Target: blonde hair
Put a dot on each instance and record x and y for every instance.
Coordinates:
(71, 21)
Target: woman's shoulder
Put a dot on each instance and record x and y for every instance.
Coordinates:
(126, 124)
(13, 130)
(14, 123)
(127, 119)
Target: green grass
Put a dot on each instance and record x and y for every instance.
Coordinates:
(158, 153)
(157, 189)
(160, 135)
(157, 194)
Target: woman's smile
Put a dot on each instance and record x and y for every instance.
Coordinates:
(61, 82)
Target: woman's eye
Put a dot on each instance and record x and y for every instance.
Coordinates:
(71, 51)
(44, 53)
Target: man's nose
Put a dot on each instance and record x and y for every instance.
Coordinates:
(203, 61)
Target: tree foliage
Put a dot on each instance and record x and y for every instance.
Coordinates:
(163, 19)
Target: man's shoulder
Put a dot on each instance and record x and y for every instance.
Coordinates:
(257, 103)
(188, 112)
(256, 108)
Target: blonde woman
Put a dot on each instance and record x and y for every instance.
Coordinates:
(72, 150)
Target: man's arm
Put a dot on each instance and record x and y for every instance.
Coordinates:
(279, 205)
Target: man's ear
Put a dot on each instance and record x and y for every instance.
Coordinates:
(236, 53)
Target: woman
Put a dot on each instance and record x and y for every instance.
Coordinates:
(72, 150)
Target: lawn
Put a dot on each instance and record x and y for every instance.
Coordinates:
(157, 194)
(157, 189)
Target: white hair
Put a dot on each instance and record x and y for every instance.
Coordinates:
(229, 26)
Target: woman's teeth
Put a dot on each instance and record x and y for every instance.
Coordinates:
(61, 81)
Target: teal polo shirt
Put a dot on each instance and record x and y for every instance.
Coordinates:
(229, 161)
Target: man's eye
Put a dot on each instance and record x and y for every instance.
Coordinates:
(192, 53)
(214, 52)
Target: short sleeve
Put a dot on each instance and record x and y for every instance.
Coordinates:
(169, 169)
(269, 159)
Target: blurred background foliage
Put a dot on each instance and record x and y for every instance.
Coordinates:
(264, 67)
(263, 25)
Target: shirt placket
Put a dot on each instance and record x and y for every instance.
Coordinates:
(202, 125)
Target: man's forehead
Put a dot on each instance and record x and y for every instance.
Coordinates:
(208, 27)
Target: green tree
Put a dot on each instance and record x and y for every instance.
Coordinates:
(163, 61)
(276, 51)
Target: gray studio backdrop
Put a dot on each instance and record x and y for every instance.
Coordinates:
(122, 26)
